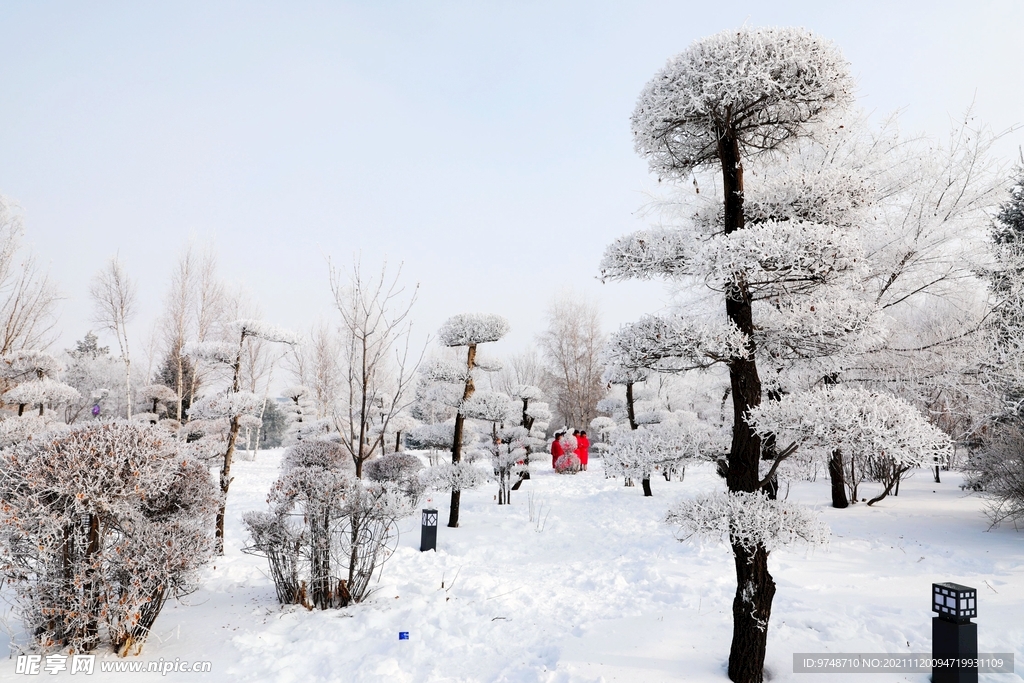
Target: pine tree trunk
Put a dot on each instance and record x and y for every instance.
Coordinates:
(835, 473)
(754, 586)
(751, 609)
(460, 419)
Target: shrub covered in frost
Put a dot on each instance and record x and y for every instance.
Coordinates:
(402, 470)
(326, 532)
(101, 525)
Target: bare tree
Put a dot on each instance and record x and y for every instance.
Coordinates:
(377, 372)
(176, 323)
(210, 316)
(316, 365)
(113, 295)
(572, 347)
(28, 299)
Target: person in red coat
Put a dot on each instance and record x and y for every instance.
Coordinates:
(582, 449)
(556, 448)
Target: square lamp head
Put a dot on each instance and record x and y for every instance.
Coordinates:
(954, 602)
(429, 517)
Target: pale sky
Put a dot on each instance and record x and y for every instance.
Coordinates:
(486, 145)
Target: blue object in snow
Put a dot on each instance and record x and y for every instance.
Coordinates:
(403, 635)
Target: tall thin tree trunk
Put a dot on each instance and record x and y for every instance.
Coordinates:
(229, 452)
(754, 586)
(646, 483)
(460, 419)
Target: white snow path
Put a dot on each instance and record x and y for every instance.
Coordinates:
(602, 592)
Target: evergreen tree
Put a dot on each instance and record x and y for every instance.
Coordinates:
(168, 376)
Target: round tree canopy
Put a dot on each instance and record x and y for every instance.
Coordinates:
(760, 85)
(467, 329)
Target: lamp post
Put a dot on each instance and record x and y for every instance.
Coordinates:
(953, 634)
(428, 531)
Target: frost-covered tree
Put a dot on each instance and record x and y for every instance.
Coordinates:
(155, 399)
(996, 469)
(28, 300)
(627, 377)
(97, 376)
(114, 301)
(729, 98)
(880, 434)
(534, 416)
(328, 531)
(102, 524)
(34, 374)
(466, 330)
(235, 405)
(378, 372)
(505, 445)
(301, 416)
(571, 346)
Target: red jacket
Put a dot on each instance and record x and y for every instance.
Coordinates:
(582, 449)
(556, 451)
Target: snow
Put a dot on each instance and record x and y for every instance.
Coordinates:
(598, 589)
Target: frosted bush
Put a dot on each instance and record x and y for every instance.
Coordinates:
(750, 520)
(101, 525)
(400, 469)
(447, 476)
(326, 532)
(567, 464)
(467, 329)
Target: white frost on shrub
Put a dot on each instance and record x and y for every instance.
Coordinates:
(228, 405)
(854, 420)
(750, 520)
(673, 343)
(467, 329)
(40, 392)
(453, 477)
(248, 327)
(489, 406)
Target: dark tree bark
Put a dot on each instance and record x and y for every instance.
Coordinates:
(460, 421)
(630, 412)
(751, 609)
(835, 473)
(754, 585)
(646, 483)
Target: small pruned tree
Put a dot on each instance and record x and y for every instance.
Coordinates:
(327, 532)
(103, 523)
(34, 373)
(235, 404)
(468, 330)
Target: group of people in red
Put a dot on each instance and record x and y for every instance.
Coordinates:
(564, 444)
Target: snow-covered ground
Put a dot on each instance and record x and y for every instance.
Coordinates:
(596, 588)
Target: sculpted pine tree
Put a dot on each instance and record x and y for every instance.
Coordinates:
(730, 97)
(469, 330)
(235, 405)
